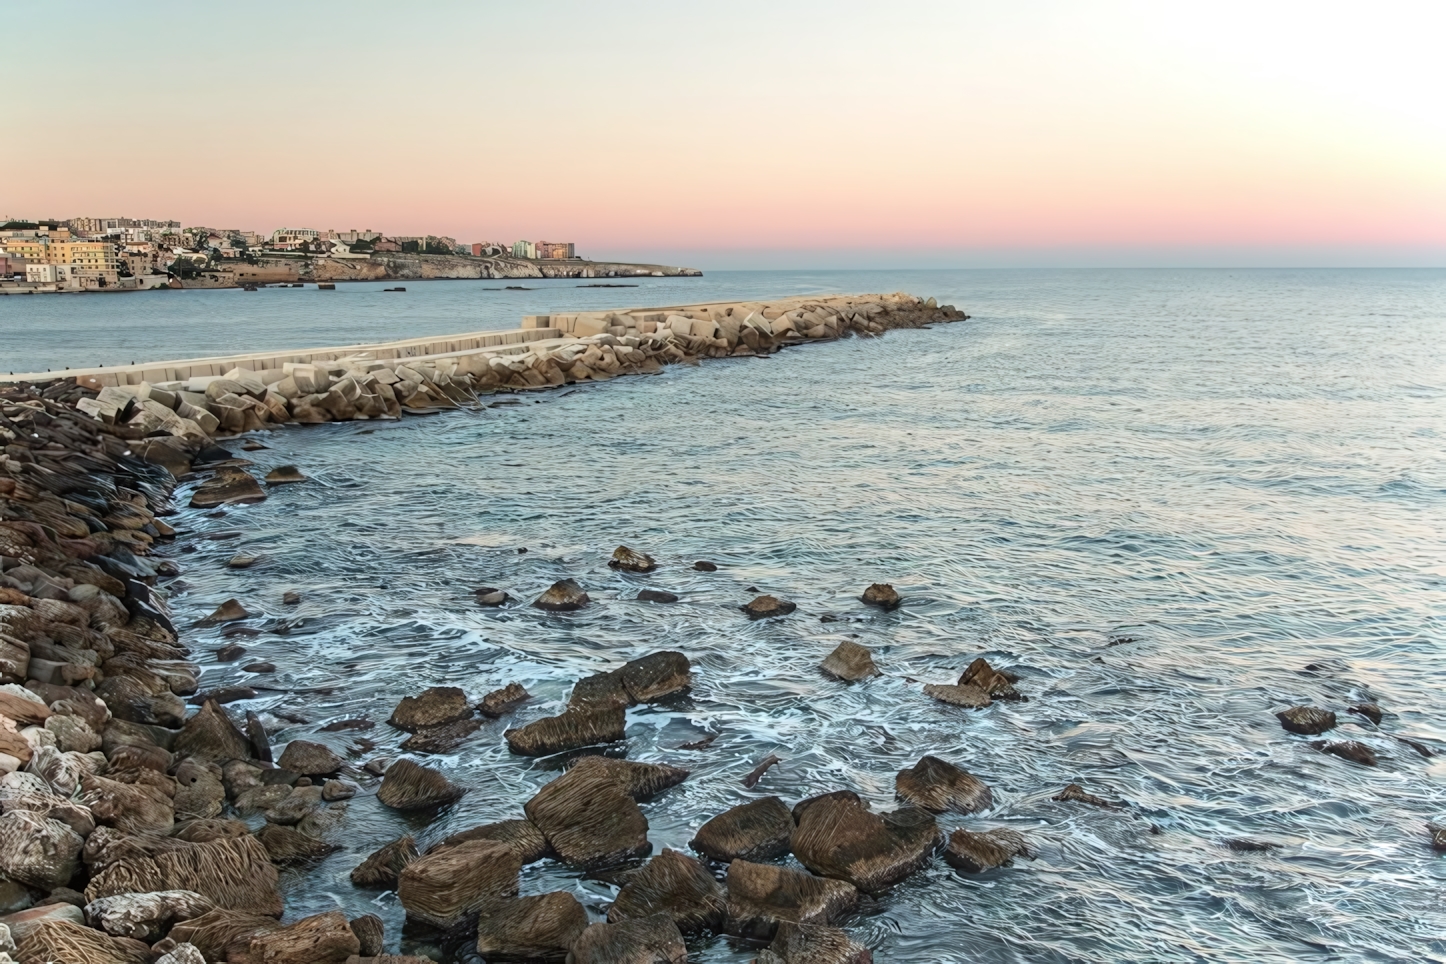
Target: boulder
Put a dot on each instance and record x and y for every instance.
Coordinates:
(1352, 750)
(23, 922)
(629, 560)
(600, 689)
(938, 786)
(311, 759)
(761, 896)
(222, 934)
(705, 566)
(488, 596)
(137, 808)
(812, 944)
(229, 485)
(199, 791)
(651, 940)
(755, 831)
(37, 851)
(998, 685)
(145, 917)
(881, 594)
(977, 852)
(1307, 720)
(642, 781)
(564, 596)
(385, 865)
(287, 845)
(434, 706)
(521, 836)
(503, 701)
(573, 729)
(370, 934)
(657, 596)
(767, 607)
(319, 939)
(441, 739)
(212, 735)
(541, 927)
(284, 474)
(73, 734)
(850, 662)
(839, 838)
(1370, 711)
(1076, 794)
(228, 612)
(235, 873)
(64, 941)
(676, 885)
(182, 954)
(334, 790)
(447, 888)
(656, 676)
(588, 818)
(408, 786)
(970, 697)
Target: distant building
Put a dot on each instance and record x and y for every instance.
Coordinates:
(353, 236)
(42, 274)
(524, 249)
(488, 249)
(289, 239)
(93, 261)
(554, 250)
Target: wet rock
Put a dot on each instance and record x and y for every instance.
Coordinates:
(761, 896)
(223, 695)
(657, 596)
(1352, 750)
(434, 706)
(642, 781)
(383, 867)
(408, 786)
(575, 728)
(564, 596)
(230, 653)
(1076, 793)
(334, 790)
(200, 793)
(291, 597)
(1438, 835)
(521, 836)
(803, 806)
(295, 806)
(881, 594)
(311, 759)
(629, 560)
(651, 940)
(319, 939)
(260, 799)
(228, 612)
(441, 739)
(287, 845)
(37, 851)
(600, 689)
(970, 697)
(756, 831)
(809, 944)
(351, 723)
(145, 917)
(676, 885)
(1370, 711)
(488, 596)
(259, 668)
(656, 676)
(703, 566)
(767, 607)
(62, 940)
(370, 934)
(500, 702)
(242, 560)
(1246, 845)
(756, 774)
(588, 818)
(283, 474)
(977, 852)
(937, 786)
(530, 928)
(1307, 720)
(230, 485)
(447, 888)
(256, 736)
(130, 808)
(200, 831)
(850, 662)
(236, 874)
(998, 685)
(839, 838)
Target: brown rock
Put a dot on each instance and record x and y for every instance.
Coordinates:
(449, 887)
(370, 934)
(236, 874)
(652, 940)
(629, 560)
(503, 701)
(37, 851)
(761, 896)
(809, 944)
(1075, 792)
(432, 707)
(1370, 711)
(1352, 750)
(676, 885)
(441, 739)
(529, 928)
(600, 689)
(384, 866)
(1307, 720)
(642, 781)
(657, 596)
(521, 836)
(588, 818)
(212, 735)
(838, 838)
(1438, 836)
(228, 612)
(319, 939)
(575, 728)
(881, 594)
(998, 685)
(978, 852)
(26, 712)
(310, 759)
(850, 661)
(407, 786)
(283, 474)
(938, 786)
(229, 485)
(767, 607)
(564, 596)
(971, 697)
(65, 941)
(286, 845)
(656, 676)
(223, 934)
(704, 566)
(131, 808)
(755, 831)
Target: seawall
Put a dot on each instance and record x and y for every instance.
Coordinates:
(421, 267)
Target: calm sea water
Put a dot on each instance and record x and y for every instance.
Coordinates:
(1241, 473)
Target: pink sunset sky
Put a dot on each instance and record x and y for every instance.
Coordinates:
(746, 134)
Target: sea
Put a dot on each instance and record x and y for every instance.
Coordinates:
(1174, 502)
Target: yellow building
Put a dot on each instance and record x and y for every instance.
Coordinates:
(85, 255)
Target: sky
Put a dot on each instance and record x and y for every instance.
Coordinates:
(781, 134)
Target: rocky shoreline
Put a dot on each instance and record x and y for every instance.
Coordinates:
(422, 267)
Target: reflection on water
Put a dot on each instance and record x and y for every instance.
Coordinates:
(1158, 496)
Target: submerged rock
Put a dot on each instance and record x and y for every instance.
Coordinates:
(812, 944)
(998, 685)
(756, 831)
(651, 940)
(230, 484)
(564, 596)
(1246, 845)
(1076, 793)
(441, 739)
(1438, 835)
(488, 596)
(839, 838)
(881, 594)
(767, 607)
(1352, 750)
(283, 474)
(541, 927)
(384, 866)
(705, 566)
(978, 852)
(676, 885)
(309, 759)
(434, 706)
(588, 818)
(630, 560)
(574, 728)
(1307, 720)
(228, 612)
(970, 697)
(761, 896)
(657, 596)
(408, 786)
(500, 702)
(1370, 711)
(448, 887)
(850, 662)
(938, 786)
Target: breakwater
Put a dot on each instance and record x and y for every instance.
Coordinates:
(142, 820)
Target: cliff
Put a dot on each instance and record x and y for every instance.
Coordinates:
(418, 267)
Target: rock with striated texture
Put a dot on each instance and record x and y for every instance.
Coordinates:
(319, 939)
(434, 706)
(309, 759)
(651, 940)
(1307, 720)
(812, 944)
(768, 607)
(384, 866)
(370, 934)
(564, 596)
(449, 887)
(144, 917)
(630, 560)
(229, 485)
(1352, 750)
(500, 702)
(761, 896)
(850, 662)
(999, 685)
(529, 928)
(838, 838)
(574, 728)
(407, 786)
(36, 851)
(970, 697)
(212, 735)
(656, 676)
(588, 818)
(642, 781)
(881, 594)
(521, 836)
(978, 852)
(678, 886)
(1076, 793)
(938, 786)
(756, 831)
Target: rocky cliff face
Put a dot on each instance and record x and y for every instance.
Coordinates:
(402, 267)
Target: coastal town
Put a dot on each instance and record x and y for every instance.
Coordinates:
(90, 254)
